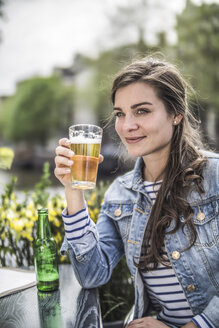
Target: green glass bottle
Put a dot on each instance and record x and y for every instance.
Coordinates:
(45, 255)
(49, 305)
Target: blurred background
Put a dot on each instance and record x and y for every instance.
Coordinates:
(58, 59)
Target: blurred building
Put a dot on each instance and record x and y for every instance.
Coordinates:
(80, 74)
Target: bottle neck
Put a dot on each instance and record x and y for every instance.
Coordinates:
(43, 230)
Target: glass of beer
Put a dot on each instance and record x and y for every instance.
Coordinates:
(85, 143)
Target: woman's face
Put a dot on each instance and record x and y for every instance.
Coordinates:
(142, 122)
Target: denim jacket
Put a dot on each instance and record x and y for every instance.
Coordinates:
(120, 230)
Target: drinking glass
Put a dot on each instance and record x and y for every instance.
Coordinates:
(85, 143)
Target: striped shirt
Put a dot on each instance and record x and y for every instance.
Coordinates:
(163, 287)
(76, 225)
(152, 189)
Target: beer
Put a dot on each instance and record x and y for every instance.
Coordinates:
(45, 255)
(85, 143)
(86, 158)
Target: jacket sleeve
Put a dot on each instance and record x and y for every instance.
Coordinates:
(201, 321)
(95, 254)
(212, 312)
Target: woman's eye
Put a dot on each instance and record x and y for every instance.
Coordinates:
(118, 114)
(142, 111)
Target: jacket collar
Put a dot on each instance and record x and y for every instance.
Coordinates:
(133, 179)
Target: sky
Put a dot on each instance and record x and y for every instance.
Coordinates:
(38, 35)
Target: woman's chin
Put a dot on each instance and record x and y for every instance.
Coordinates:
(134, 154)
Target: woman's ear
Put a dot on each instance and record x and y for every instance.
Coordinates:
(177, 119)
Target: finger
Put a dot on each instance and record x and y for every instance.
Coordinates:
(64, 142)
(60, 172)
(135, 323)
(101, 158)
(63, 161)
(63, 151)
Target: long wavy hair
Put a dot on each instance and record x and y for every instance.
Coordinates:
(183, 171)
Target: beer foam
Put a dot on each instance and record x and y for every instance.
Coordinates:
(83, 140)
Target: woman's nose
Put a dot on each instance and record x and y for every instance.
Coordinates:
(130, 123)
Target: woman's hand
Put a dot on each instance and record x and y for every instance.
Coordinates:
(146, 322)
(63, 161)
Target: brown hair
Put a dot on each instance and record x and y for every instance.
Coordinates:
(185, 164)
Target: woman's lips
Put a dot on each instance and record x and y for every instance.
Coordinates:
(134, 140)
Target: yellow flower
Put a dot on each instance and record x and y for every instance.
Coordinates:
(11, 215)
(6, 201)
(93, 196)
(3, 235)
(96, 211)
(92, 199)
(34, 218)
(17, 225)
(62, 258)
(52, 212)
(13, 197)
(28, 213)
(57, 222)
(58, 237)
(3, 215)
(58, 212)
(51, 218)
(6, 158)
(27, 235)
(30, 206)
(29, 224)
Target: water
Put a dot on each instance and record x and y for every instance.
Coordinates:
(26, 181)
(27, 178)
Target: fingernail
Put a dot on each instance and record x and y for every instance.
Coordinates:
(71, 153)
(70, 162)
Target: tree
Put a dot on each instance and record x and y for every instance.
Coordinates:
(1, 13)
(134, 20)
(198, 48)
(40, 108)
(1, 5)
(131, 18)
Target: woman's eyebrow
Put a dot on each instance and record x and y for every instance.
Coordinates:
(135, 105)
(139, 104)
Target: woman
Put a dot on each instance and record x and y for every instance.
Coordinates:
(163, 215)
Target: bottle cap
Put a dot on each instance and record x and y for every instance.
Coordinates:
(43, 210)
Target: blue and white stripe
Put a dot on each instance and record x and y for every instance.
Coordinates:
(152, 189)
(76, 225)
(167, 296)
(201, 321)
(164, 290)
